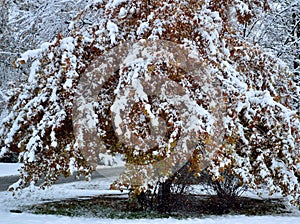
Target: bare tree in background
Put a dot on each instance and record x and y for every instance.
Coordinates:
(278, 30)
(25, 24)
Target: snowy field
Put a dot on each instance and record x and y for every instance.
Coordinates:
(8, 169)
(96, 187)
(48, 219)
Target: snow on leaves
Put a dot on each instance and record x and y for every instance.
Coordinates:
(260, 122)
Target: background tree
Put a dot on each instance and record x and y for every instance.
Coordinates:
(26, 24)
(277, 30)
(260, 145)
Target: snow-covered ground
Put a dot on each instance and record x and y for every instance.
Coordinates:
(9, 169)
(96, 187)
(50, 219)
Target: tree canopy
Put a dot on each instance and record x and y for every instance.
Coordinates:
(259, 118)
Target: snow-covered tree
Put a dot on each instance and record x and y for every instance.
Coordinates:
(4, 40)
(168, 45)
(34, 22)
(26, 24)
(278, 30)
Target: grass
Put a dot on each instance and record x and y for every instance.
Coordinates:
(189, 206)
(101, 207)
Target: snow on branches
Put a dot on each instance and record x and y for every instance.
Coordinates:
(259, 122)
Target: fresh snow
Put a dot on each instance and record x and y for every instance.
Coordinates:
(113, 30)
(95, 187)
(26, 218)
(9, 169)
(100, 187)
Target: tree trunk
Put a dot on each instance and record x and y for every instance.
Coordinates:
(164, 196)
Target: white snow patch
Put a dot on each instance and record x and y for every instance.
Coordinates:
(26, 218)
(107, 160)
(68, 84)
(67, 44)
(9, 169)
(122, 13)
(113, 30)
(141, 29)
(96, 187)
(34, 67)
(114, 3)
